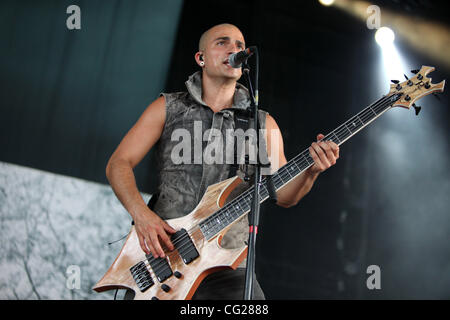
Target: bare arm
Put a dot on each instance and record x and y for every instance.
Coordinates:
(324, 154)
(119, 171)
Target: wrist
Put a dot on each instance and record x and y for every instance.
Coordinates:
(312, 173)
(138, 210)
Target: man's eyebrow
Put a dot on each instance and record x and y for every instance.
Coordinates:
(228, 39)
(222, 38)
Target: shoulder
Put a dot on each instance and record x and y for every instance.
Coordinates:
(171, 97)
(271, 123)
(155, 113)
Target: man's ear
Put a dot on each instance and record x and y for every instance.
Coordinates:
(199, 58)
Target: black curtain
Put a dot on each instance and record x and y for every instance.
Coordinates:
(69, 96)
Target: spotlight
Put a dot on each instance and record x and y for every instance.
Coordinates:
(326, 2)
(384, 36)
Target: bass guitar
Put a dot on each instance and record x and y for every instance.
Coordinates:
(197, 250)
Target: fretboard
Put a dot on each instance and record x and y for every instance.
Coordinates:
(241, 205)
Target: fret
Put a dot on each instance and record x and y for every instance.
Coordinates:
(373, 111)
(355, 124)
(361, 119)
(283, 174)
(238, 208)
(227, 215)
(247, 201)
(306, 159)
(292, 168)
(338, 140)
(286, 170)
(215, 226)
(367, 116)
(233, 212)
(341, 131)
(295, 163)
(247, 206)
(263, 191)
(276, 181)
(281, 179)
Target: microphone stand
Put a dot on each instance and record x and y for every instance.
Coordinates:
(254, 211)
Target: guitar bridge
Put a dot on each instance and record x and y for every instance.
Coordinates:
(141, 276)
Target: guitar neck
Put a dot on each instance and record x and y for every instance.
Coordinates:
(242, 204)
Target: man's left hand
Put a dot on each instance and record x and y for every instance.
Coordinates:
(324, 154)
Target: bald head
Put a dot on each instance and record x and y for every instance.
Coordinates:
(206, 35)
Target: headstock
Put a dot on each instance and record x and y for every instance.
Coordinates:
(415, 88)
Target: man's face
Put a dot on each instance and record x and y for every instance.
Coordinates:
(222, 41)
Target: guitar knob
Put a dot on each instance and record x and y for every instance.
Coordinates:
(165, 287)
(155, 298)
(177, 274)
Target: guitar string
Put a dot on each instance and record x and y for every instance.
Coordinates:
(370, 112)
(282, 172)
(363, 116)
(160, 264)
(156, 268)
(366, 110)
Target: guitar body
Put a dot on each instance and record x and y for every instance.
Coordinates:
(212, 257)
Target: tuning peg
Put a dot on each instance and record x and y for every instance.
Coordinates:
(416, 108)
(406, 77)
(395, 81)
(415, 71)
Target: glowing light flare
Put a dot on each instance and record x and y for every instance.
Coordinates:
(326, 2)
(384, 36)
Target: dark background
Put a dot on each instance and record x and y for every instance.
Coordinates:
(68, 97)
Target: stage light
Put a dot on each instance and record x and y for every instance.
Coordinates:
(384, 36)
(326, 2)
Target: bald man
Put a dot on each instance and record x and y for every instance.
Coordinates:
(213, 95)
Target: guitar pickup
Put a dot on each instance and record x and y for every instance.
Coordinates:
(185, 246)
(160, 267)
(141, 276)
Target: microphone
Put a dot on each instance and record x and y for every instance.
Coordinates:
(235, 60)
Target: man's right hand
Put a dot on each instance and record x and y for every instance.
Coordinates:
(150, 229)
